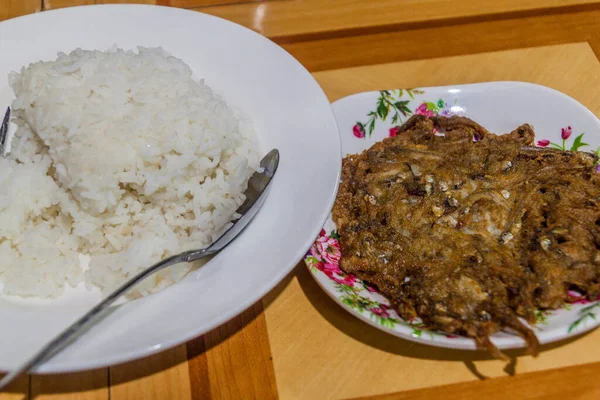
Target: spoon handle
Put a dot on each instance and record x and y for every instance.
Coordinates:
(88, 319)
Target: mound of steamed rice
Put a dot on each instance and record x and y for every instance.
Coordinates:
(121, 156)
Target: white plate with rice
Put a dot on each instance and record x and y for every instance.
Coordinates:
(135, 148)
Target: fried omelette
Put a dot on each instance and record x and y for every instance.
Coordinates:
(469, 230)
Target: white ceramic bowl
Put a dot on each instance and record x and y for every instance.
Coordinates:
(290, 112)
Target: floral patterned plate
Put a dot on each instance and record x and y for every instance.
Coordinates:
(365, 118)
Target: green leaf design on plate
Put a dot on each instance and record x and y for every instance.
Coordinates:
(312, 260)
(577, 143)
(585, 314)
(541, 317)
(390, 103)
(402, 107)
(382, 110)
(371, 126)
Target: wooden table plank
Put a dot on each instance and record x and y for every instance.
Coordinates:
(161, 376)
(342, 357)
(548, 65)
(18, 390)
(54, 4)
(574, 383)
(235, 360)
(206, 3)
(89, 385)
(450, 40)
(15, 8)
(314, 18)
(129, 2)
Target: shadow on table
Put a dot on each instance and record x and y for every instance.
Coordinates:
(18, 387)
(31, 387)
(235, 325)
(193, 352)
(369, 335)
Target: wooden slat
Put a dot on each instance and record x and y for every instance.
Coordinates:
(18, 390)
(298, 18)
(198, 369)
(54, 4)
(570, 68)
(162, 376)
(89, 385)
(445, 41)
(237, 360)
(206, 3)
(15, 8)
(129, 2)
(574, 383)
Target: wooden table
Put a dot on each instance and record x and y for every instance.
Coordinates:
(296, 343)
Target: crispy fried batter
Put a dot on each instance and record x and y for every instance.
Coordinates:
(468, 230)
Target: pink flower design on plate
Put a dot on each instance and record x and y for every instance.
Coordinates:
(543, 143)
(329, 268)
(333, 272)
(380, 311)
(577, 298)
(371, 288)
(423, 110)
(329, 249)
(314, 252)
(565, 133)
(350, 280)
(358, 131)
(394, 131)
(347, 280)
(313, 249)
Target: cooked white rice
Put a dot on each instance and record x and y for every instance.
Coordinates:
(120, 155)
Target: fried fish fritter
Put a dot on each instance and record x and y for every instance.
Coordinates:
(468, 230)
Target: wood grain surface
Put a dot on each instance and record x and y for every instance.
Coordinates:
(16, 8)
(53, 4)
(162, 376)
(449, 40)
(297, 343)
(575, 383)
(238, 358)
(89, 385)
(317, 18)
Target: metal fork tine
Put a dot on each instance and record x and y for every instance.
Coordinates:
(4, 132)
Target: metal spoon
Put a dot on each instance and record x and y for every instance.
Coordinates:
(255, 197)
(4, 133)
